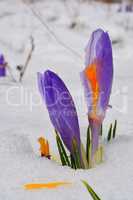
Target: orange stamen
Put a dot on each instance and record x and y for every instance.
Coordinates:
(51, 185)
(90, 73)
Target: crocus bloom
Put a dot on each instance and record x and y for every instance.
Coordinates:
(61, 108)
(97, 80)
(2, 66)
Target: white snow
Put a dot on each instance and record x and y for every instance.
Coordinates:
(24, 118)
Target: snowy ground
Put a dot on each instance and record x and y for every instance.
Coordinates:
(23, 117)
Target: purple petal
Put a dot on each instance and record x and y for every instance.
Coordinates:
(87, 91)
(105, 70)
(60, 106)
(2, 71)
(2, 60)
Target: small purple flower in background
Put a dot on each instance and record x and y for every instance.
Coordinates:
(2, 60)
(97, 80)
(129, 8)
(2, 66)
(61, 108)
(125, 7)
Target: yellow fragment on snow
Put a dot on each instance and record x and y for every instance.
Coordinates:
(55, 158)
(51, 185)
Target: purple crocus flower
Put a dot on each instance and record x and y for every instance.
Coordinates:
(61, 107)
(2, 66)
(97, 80)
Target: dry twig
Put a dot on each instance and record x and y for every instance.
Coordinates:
(23, 70)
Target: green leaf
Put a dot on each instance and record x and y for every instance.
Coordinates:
(114, 129)
(88, 144)
(101, 130)
(91, 191)
(63, 155)
(73, 165)
(76, 154)
(109, 133)
(84, 160)
(60, 152)
(64, 151)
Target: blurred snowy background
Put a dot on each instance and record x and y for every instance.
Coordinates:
(61, 30)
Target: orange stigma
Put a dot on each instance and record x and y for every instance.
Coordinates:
(44, 147)
(90, 73)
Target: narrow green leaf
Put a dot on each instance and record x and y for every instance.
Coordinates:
(109, 133)
(73, 165)
(91, 191)
(77, 160)
(101, 130)
(114, 129)
(85, 164)
(62, 151)
(76, 154)
(88, 144)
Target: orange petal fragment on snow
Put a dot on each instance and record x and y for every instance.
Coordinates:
(44, 147)
(51, 185)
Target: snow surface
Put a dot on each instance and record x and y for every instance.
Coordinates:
(24, 118)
